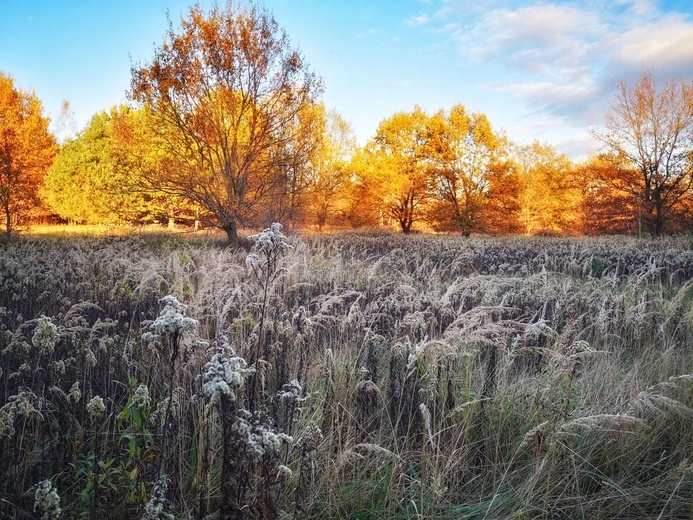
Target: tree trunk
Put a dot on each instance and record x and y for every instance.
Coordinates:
(231, 233)
(659, 216)
(8, 223)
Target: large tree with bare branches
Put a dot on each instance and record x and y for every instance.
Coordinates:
(650, 128)
(230, 96)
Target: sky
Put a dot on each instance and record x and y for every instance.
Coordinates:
(540, 70)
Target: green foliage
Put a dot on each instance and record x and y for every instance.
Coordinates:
(79, 184)
(98, 177)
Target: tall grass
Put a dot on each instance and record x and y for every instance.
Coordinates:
(372, 376)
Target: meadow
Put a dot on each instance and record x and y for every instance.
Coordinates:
(359, 376)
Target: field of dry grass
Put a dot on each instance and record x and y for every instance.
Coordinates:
(349, 376)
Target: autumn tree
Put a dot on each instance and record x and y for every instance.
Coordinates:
(607, 205)
(501, 214)
(140, 153)
(550, 196)
(99, 176)
(77, 183)
(26, 152)
(291, 196)
(650, 125)
(462, 149)
(229, 92)
(330, 174)
(392, 167)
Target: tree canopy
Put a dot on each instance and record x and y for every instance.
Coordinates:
(463, 149)
(26, 151)
(650, 126)
(225, 127)
(231, 94)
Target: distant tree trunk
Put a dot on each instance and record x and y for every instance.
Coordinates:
(231, 230)
(405, 212)
(8, 223)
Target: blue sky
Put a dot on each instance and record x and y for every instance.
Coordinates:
(540, 70)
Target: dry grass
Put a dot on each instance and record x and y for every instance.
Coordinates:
(419, 377)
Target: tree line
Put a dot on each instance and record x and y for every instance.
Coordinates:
(225, 128)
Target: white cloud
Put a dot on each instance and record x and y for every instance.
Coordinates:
(573, 103)
(665, 45)
(638, 7)
(418, 20)
(578, 145)
(559, 60)
(539, 39)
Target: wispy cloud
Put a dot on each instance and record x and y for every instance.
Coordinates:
(664, 45)
(572, 102)
(560, 59)
(544, 39)
(418, 20)
(638, 7)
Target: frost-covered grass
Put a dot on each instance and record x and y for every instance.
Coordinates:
(350, 376)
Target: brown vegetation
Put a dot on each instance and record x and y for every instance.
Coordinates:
(359, 375)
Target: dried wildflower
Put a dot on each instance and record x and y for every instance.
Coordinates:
(155, 507)
(157, 417)
(24, 404)
(46, 335)
(90, 358)
(172, 318)
(253, 262)
(300, 320)
(271, 240)
(258, 438)
(269, 246)
(75, 394)
(7, 414)
(141, 398)
(59, 367)
(96, 407)
(47, 501)
(310, 438)
(284, 472)
(150, 339)
(291, 392)
(224, 376)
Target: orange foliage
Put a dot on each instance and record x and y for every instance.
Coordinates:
(650, 128)
(27, 150)
(232, 96)
(608, 207)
